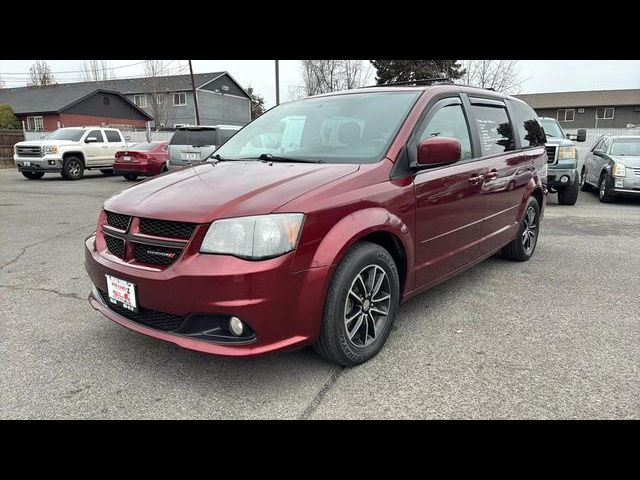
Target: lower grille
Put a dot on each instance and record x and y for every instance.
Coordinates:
(145, 316)
(551, 154)
(118, 220)
(155, 255)
(115, 245)
(26, 151)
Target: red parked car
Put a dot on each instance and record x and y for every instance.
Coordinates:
(313, 222)
(142, 159)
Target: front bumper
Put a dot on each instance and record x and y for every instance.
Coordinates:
(283, 308)
(625, 186)
(555, 174)
(48, 163)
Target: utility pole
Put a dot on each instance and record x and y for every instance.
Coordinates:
(277, 83)
(195, 96)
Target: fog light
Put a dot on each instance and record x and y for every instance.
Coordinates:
(619, 182)
(236, 327)
(52, 162)
(564, 179)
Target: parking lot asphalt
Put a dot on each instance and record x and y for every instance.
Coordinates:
(555, 337)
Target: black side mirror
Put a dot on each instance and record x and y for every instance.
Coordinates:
(582, 135)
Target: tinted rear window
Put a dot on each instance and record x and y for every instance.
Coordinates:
(112, 136)
(527, 126)
(194, 137)
(496, 135)
(144, 146)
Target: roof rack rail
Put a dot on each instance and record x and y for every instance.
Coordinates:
(421, 81)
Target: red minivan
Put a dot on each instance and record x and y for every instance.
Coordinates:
(313, 222)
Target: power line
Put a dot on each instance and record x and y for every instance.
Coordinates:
(79, 71)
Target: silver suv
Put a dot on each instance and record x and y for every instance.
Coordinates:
(563, 164)
(192, 145)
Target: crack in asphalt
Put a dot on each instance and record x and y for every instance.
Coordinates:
(24, 249)
(318, 397)
(49, 290)
(54, 194)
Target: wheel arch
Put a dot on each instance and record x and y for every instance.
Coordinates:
(78, 154)
(375, 225)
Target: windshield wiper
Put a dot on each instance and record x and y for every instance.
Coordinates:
(267, 157)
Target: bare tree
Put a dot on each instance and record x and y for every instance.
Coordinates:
(323, 76)
(159, 101)
(40, 75)
(96, 70)
(499, 75)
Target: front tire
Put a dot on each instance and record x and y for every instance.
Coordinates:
(361, 304)
(72, 168)
(569, 195)
(522, 247)
(603, 189)
(33, 175)
(130, 176)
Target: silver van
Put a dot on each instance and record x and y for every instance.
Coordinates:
(191, 145)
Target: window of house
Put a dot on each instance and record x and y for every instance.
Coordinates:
(35, 124)
(604, 113)
(494, 127)
(450, 122)
(566, 114)
(140, 100)
(179, 99)
(112, 136)
(527, 126)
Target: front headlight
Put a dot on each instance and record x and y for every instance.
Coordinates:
(567, 152)
(51, 149)
(256, 238)
(619, 170)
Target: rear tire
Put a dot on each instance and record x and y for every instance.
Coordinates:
(164, 168)
(569, 195)
(107, 171)
(522, 247)
(33, 175)
(72, 168)
(130, 176)
(603, 189)
(361, 304)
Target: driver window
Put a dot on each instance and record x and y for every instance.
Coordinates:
(450, 122)
(95, 133)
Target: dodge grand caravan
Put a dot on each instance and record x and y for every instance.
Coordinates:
(315, 221)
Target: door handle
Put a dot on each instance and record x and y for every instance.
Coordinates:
(105, 146)
(491, 175)
(475, 179)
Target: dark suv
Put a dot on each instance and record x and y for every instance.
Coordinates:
(315, 220)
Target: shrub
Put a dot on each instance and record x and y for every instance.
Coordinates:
(8, 118)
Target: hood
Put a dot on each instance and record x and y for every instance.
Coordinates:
(206, 192)
(557, 141)
(628, 160)
(43, 143)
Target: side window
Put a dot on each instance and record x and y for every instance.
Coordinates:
(528, 128)
(605, 145)
(496, 134)
(112, 136)
(97, 134)
(450, 122)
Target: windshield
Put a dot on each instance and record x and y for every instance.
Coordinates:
(551, 128)
(630, 147)
(73, 134)
(201, 137)
(354, 128)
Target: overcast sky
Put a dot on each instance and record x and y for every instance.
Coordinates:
(539, 75)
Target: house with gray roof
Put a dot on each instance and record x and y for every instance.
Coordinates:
(165, 101)
(589, 109)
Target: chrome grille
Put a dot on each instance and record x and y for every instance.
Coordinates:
(551, 153)
(636, 171)
(27, 151)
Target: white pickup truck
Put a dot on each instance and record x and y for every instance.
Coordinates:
(69, 151)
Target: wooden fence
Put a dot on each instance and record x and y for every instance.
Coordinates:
(8, 138)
